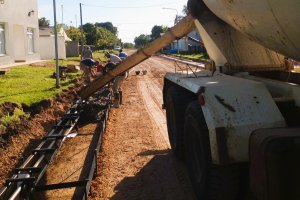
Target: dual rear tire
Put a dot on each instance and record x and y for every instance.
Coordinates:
(209, 181)
(177, 100)
(189, 139)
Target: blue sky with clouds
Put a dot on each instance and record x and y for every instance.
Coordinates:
(132, 17)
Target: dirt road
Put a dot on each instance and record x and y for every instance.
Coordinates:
(136, 161)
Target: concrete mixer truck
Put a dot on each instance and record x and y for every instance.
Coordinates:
(235, 123)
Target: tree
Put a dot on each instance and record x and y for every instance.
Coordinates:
(90, 31)
(157, 30)
(142, 40)
(128, 45)
(107, 25)
(99, 36)
(74, 33)
(106, 39)
(44, 22)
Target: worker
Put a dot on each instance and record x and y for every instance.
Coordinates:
(87, 52)
(122, 54)
(113, 58)
(100, 69)
(116, 85)
(86, 65)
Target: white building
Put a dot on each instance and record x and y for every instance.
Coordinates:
(19, 32)
(189, 43)
(47, 45)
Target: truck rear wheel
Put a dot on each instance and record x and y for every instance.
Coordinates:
(210, 182)
(176, 103)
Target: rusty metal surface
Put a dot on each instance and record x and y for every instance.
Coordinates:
(221, 136)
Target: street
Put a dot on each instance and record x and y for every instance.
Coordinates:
(136, 161)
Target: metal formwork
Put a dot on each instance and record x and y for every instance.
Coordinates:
(26, 178)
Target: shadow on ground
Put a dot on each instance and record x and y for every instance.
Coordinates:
(159, 179)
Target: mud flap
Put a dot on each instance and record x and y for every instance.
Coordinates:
(275, 164)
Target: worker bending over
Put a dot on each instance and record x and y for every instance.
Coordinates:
(86, 65)
(112, 58)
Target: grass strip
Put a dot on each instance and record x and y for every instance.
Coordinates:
(29, 85)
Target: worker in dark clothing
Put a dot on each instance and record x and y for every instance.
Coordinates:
(86, 65)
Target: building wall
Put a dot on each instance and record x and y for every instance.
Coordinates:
(72, 49)
(184, 43)
(14, 14)
(47, 47)
(194, 34)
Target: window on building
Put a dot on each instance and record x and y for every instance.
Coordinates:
(30, 40)
(2, 39)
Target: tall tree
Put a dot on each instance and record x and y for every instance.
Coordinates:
(142, 40)
(44, 22)
(128, 45)
(90, 31)
(106, 39)
(107, 25)
(74, 33)
(157, 30)
(99, 36)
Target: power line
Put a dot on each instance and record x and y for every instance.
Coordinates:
(149, 6)
(160, 22)
(132, 30)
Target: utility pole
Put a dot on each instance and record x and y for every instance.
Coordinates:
(76, 21)
(56, 45)
(81, 29)
(62, 15)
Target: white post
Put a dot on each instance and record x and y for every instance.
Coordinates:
(62, 15)
(56, 45)
(81, 28)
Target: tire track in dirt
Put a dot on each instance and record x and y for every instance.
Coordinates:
(150, 87)
(146, 88)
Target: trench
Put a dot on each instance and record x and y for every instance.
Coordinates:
(64, 163)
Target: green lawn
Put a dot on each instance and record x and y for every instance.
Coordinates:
(32, 84)
(198, 56)
(68, 61)
(29, 85)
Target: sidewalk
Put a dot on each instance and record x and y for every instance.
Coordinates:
(19, 64)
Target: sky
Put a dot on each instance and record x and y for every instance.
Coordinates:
(131, 17)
